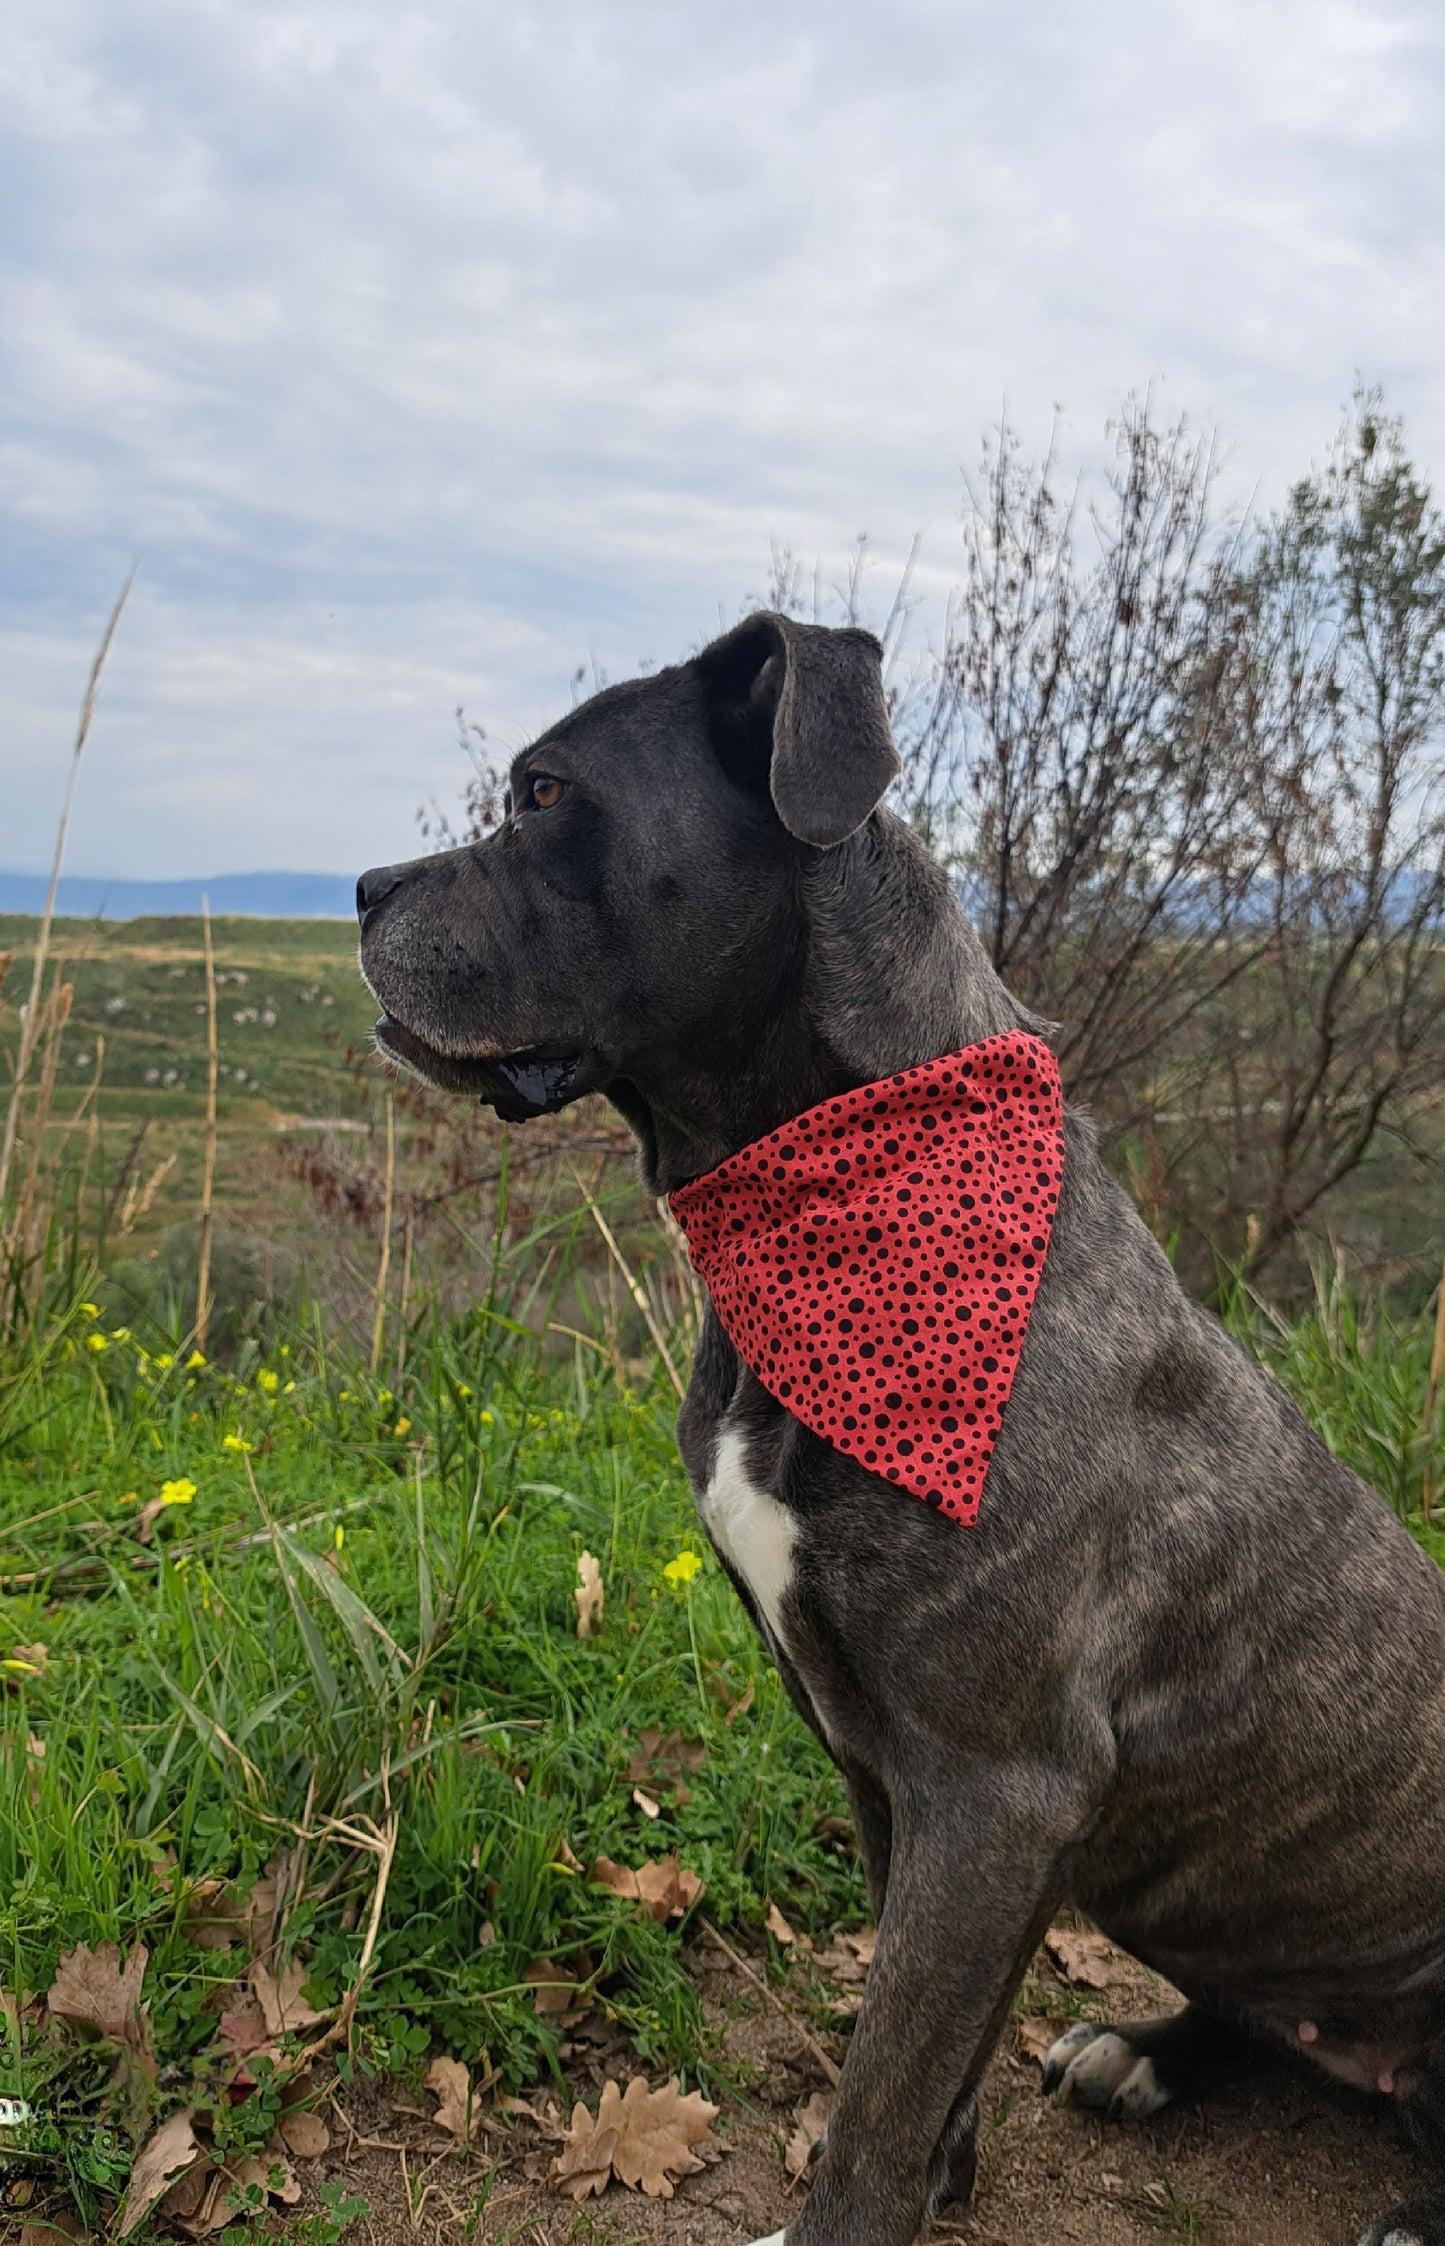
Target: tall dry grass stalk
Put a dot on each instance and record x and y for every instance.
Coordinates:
(635, 1288)
(208, 1173)
(30, 1017)
(378, 1324)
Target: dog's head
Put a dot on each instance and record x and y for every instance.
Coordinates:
(637, 906)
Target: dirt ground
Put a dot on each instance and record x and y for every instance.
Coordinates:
(1284, 2161)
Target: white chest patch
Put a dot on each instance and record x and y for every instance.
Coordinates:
(751, 1529)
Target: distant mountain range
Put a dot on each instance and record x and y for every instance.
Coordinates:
(262, 896)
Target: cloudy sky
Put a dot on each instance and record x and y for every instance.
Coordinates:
(422, 353)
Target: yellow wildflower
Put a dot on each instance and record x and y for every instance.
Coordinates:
(195, 1361)
(486, 1419)
(120, 1333)
(178, 1492)
(402, 1427)
(97, 1342)
(164, 1363)
(234, 1443)
(90, 1309)
(268, 1382)
(683, 1568)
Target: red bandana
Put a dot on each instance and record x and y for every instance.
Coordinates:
(876, 1260)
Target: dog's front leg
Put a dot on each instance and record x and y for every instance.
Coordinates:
(971, 1886)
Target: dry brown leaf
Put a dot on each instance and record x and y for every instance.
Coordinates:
(26, 1663)
(584, 2165)
(259, 1914)
(98, 1995)
(1090, 1961)
(863, 1942)
(285, 2010)
(457, 2112)
(778, 1926)
(658, 2133)
(305, 2134)
(212, 1917)
(812, 2120)
(645, 1803)
(1038, 2037)
(244, 2030)
(649, 2138)
(183, 2202)
(665, 1889)
(47, 2229)
(164, 2156)
(588, 1596)
(668, 1889)
(288, 2190)
(559, 1988)
(566, 1856)
(671, 1757)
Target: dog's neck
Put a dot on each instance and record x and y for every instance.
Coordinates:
(888, 973)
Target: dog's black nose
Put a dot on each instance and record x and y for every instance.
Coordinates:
(375, 885)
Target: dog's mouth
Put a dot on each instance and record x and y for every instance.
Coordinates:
(536, 1081)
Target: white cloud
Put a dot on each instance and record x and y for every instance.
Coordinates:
(423, 353)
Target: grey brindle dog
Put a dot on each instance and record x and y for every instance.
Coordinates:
(1187, 1673)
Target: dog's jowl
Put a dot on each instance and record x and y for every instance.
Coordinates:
(1145, 1646)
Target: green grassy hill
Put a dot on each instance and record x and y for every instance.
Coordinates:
(292, 1008)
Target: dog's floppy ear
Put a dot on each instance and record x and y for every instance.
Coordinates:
(800, 708)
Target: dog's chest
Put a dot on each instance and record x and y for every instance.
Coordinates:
(755, 1534)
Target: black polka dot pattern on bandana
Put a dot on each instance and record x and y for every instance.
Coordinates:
(876, 1260)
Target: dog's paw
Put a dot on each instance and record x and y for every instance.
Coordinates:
(1094, 2067)
(1422, 2223)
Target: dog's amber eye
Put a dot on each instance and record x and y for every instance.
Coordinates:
(545, 790)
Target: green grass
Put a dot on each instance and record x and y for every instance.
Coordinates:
(370, 1608)
(354, 1625)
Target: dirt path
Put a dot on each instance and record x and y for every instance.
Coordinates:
(1285, 2161)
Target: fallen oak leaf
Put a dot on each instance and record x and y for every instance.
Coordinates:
(812, 2123)
(778, 1926)
(583, 2168)
(1090, 1961)
(658, 2135)
(863, 1942)
(666, 1889)
(451, 2085)
(183, 2202)
(1037, 2037)
(244, 2030)
(165, 2156)
(674, 1757)
(285, 2009)
(98, 1996)
(212, 1918)
(560, 1989)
